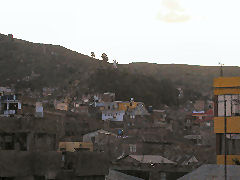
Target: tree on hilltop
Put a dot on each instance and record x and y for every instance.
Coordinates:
(104, 57)
(93, 55)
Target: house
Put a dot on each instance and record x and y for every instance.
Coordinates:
(28, 134)
(107, 105)
(202, 116)
(103, 141)
(139, 110)
(146, 159)
(5, 91)
(86, 98)
(80, 108)
(213, 171)
(62, 106)
(126, 105)
(151, 159)
(147, 143)
(196, 121)
(108, 97)
(47, 91)
(112, 115)
(132, 108)
(75, 146)
(9, 105)
(97, 136)
(198, 116)
(29, 165)
(97, 97)
(153, 167)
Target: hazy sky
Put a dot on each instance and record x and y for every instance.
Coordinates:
(201, 32)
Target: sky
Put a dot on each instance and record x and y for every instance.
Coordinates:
(196, 32)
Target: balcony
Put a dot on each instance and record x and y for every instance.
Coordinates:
(230, 159)
(233, 124)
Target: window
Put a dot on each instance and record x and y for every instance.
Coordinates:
(235, 105)
(221, 105)
(232, 105)
(13, 106)
(233, 144)
(132, 148)
(7, 142)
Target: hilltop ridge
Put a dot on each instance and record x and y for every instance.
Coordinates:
(25, 64)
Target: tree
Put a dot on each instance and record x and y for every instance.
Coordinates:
(92, 54)
(104, 57)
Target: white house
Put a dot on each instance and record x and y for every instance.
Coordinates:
(113, 115)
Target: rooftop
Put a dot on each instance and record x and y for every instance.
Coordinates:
(213, 171)
(155, 159)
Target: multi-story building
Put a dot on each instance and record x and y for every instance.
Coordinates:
(9, 105)
(227, 107)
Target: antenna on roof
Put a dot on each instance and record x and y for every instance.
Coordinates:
(221, 68)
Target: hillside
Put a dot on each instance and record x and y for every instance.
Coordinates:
(44, 65)
(195, 77)
(31, 65)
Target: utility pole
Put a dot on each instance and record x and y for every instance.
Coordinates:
(225, 128)
(221, 69)
(225, 140)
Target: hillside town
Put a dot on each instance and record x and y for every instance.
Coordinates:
(118, 126)
(96, 136)
(119, 90)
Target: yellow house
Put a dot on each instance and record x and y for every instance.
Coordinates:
(61, 106)
(227, 103)
(75, 146)
(124, 106)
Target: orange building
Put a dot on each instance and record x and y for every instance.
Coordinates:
(124, 106)
(227, 103)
